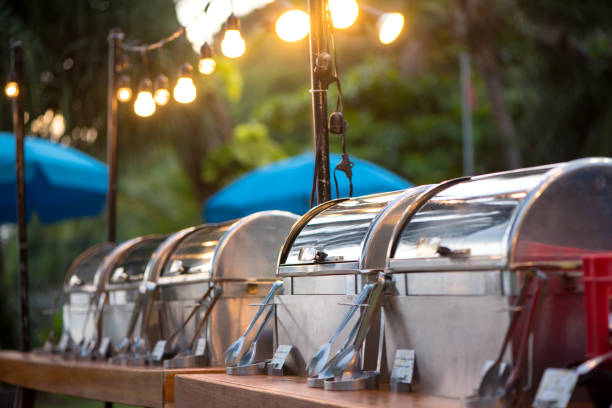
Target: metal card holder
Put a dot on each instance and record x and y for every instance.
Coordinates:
(403, 371)
(276, 366)
(557, 384)
(104, 350)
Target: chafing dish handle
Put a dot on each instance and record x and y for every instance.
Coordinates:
(216, 295)
(195, 309)
(533, 306)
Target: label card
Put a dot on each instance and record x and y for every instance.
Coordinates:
(403, 370)
(556, 388)
(199, 348)
(103, 350)
(159, 350)
(63, 343)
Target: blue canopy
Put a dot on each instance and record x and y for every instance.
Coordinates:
(286, 185)
(61, 182)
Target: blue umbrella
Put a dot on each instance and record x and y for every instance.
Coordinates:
(286, 185)
(61, 182)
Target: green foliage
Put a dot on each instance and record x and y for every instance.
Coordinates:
(250, 147)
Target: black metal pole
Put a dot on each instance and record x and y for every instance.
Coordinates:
(320, 77)
(18, 128)
(24, 398)
(114, 50)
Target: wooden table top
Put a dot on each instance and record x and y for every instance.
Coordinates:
(144, 386)
(261, 391)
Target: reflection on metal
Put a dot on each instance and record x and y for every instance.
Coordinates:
(239, 259)
(462, 257)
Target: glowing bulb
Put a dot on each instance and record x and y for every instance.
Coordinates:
(293, 25)
(207, 66)
(207, 63)
(185, 90)
(343, 12)
(144, 105)
(233, 44)
(161, 94)
(11, 89)
(390, 26)
(124, 92)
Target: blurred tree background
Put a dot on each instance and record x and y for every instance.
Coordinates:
(541, 86)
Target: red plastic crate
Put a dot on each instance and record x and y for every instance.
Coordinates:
(597, 269)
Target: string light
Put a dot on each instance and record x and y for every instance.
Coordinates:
(343, 12)
(11, 89)
(185, 90)
(124, 91)
(161, 94)
(144, 105)
(293, 25)
(390, 26)
(207, 63)
(233, 45)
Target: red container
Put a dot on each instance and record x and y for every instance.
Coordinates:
(597, 279)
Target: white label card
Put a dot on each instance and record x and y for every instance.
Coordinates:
(556, 388)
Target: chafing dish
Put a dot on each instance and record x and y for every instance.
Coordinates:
(82, 287)
(471, 257)
(205, 281)
(331, 255)
(122, 275)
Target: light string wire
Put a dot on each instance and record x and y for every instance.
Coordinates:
(133, 47)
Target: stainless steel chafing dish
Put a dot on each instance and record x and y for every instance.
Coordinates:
(333, 253)
(122, 274)
(206, 278)
(470, 256)
(82, 286)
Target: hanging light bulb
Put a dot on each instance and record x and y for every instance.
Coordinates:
(233, 44)
(185, 90)
(207, 63)
(390, 26)
(293, 25)
(124, 91)
(161, 94)
(11, 89)
(343, 12)
(144, 105)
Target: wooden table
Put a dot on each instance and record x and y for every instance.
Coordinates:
(222, 390)
(144, 386)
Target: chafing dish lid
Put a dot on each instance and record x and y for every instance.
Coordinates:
(194, 255)
(346, 232)
(131, 263)
(82, 273)
(497, 221)
(241, 250)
